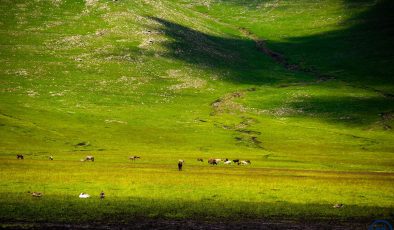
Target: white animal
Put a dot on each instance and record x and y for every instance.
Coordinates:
(89, 158)
(243, 163)
(218, 160)
(227, 162)
(84, 195)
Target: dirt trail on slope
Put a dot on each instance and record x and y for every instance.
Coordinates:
(244, 134)
(261, 46)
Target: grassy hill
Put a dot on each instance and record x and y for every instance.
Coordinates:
(303, 89)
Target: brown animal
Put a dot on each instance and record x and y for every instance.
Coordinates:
(200, 159)
(19, 156)
(102, 195)
(133, 158)
(35, 194)
(89, 158)
(212, 161)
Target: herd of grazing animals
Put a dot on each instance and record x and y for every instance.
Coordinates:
(133, 158)
(212, 161)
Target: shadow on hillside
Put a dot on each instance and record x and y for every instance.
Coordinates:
(228, 56)
(362, 53)
(353, 111)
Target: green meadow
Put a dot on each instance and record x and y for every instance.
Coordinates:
(303, 89)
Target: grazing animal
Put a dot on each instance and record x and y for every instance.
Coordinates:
(218, 160)
(180, 164)
(89, 158)
(19, 156)
(227, 162)
(338, 206)
(133, 158)
(248, 161)
(200, 159)
(36, 194)
(102, 195)
(236, 160)
(243, 163)
(50, 158)
(212, 161)
(84, 195)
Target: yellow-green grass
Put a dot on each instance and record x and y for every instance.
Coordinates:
(199, 191)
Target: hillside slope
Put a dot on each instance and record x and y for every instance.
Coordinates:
(145, 76)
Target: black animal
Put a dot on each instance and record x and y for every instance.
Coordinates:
(236, 160)
(200, 159)
(19, 156)
(212, 161)
(102, 195)
(50, 158)
(180, 164)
